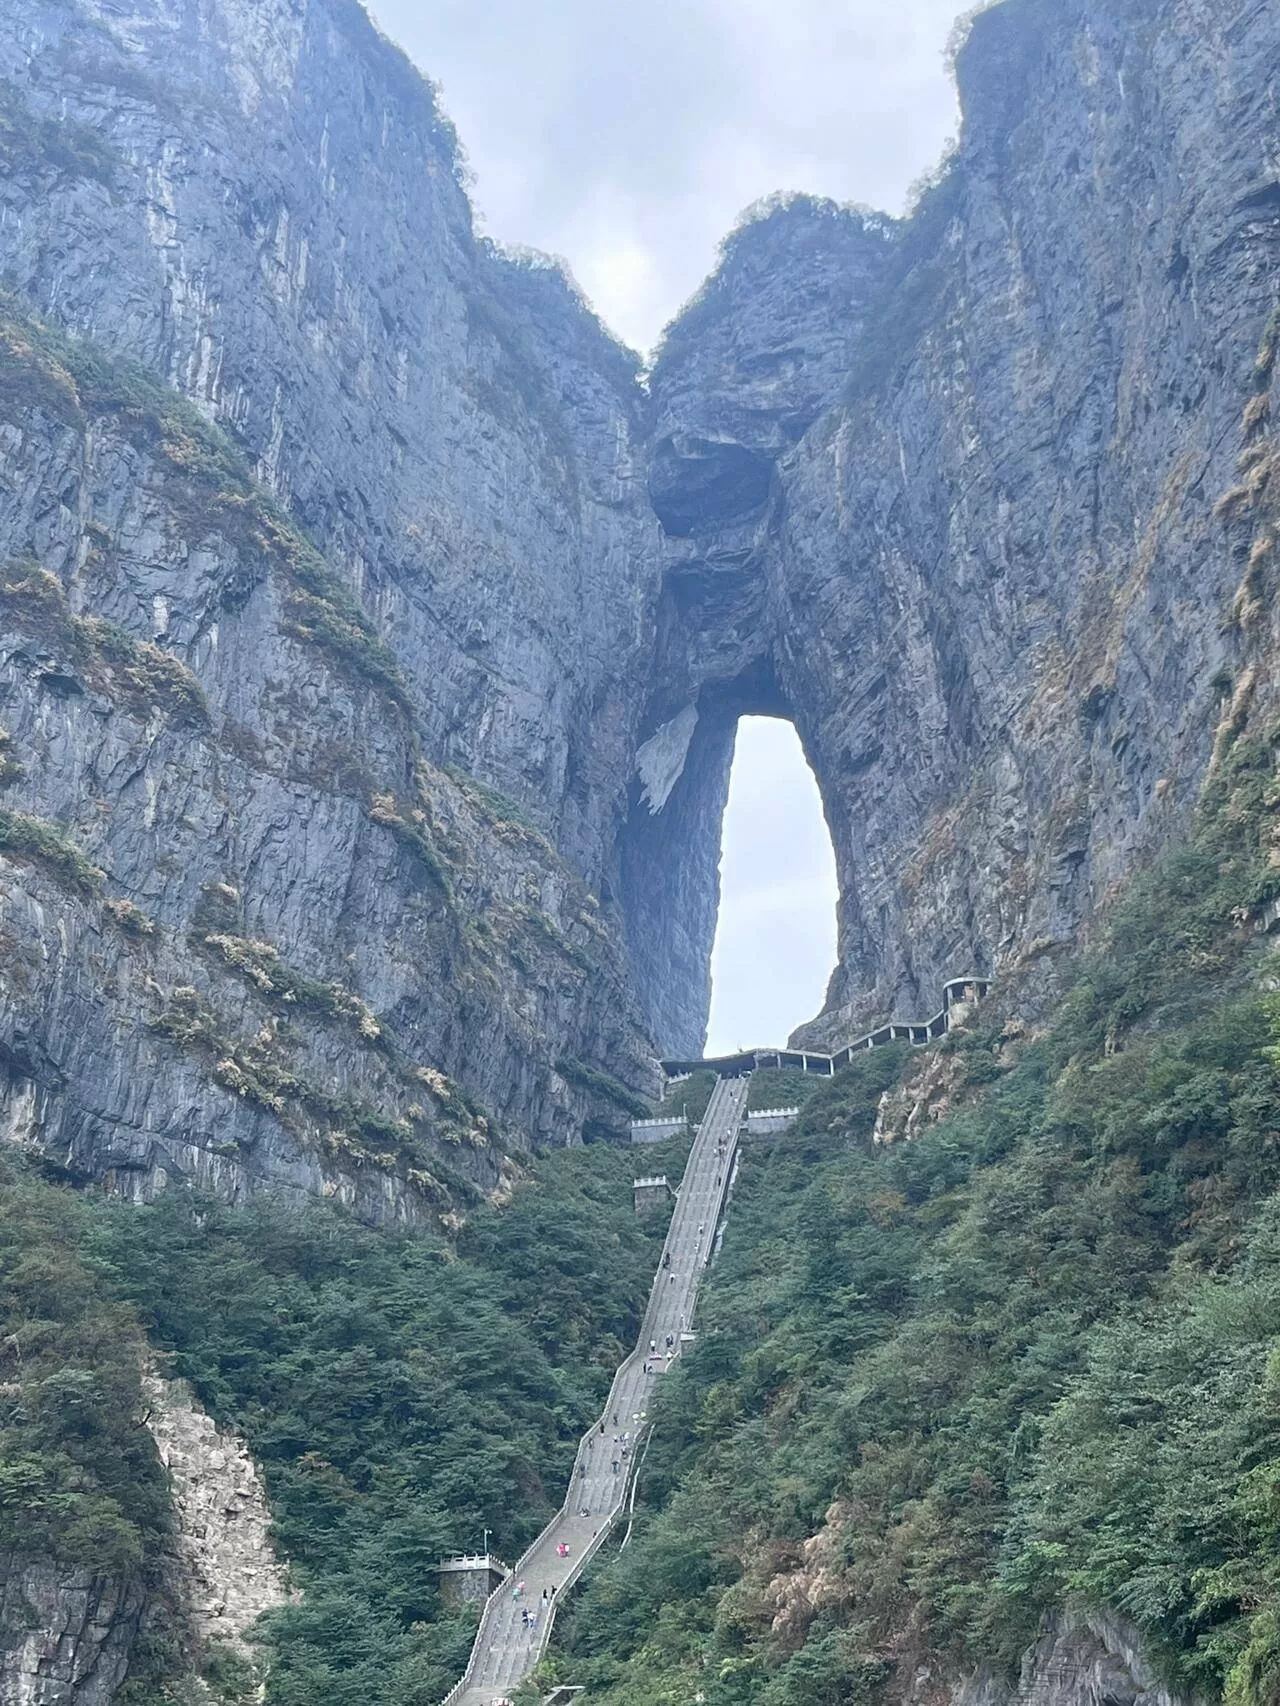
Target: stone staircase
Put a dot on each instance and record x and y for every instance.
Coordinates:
(507, 1647)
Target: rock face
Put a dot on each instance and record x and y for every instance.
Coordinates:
(372, 640)
(987, 583)
(65, 1634)
(254, 934)
(229, 1575)
(743, 376)
(1080, 1660)
(261, 204)
(414, 752)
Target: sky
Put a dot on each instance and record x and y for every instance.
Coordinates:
(627, 139)
(776, 941)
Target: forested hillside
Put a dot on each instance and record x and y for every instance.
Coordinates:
(943, 1387)
(1024, 1361)
(402, 1395)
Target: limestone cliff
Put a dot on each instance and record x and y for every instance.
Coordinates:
(427, 775)
(372, 638)
(987, 582)
(317, 915)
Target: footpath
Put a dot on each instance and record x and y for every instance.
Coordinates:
(507, 1648)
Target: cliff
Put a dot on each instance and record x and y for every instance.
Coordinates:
(987, 582)
(941, 491)
(267, 687)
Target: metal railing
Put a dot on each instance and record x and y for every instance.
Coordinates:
(959, 991)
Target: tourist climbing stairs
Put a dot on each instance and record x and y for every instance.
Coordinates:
(517, 1619)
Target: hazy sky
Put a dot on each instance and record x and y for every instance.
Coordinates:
(776, 943)
(627, 138)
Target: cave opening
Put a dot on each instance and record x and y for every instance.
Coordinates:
(775, 941)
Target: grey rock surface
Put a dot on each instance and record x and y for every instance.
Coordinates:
(941, 491)
(272, 222)
(65, 1634)
(305, 933)
(1081, 1659)
(988, 583)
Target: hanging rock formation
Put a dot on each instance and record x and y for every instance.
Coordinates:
(958, 523)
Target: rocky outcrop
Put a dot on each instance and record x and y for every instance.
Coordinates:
(274, 222)
(228, 1575)
(69, 1634)
(257, 935)
(988, 583)
(1081, 1659)
(65, 1634)
(744, 373)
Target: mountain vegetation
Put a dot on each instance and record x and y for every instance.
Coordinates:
(943, 1386)
(402, 1395)
(1025, 1361)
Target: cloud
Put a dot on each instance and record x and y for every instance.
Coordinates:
(628, 137)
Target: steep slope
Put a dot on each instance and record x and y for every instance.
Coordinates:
(994, 1414)
(275, 224)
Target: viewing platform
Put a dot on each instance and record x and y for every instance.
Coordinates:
(959, 997)
(469, 1580)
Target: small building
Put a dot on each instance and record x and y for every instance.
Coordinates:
(470, 1580)
(651, 1194)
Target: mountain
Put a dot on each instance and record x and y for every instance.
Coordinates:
(373, 630)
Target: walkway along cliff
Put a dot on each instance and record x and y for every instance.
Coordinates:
(507, 1646)
(959, 997)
